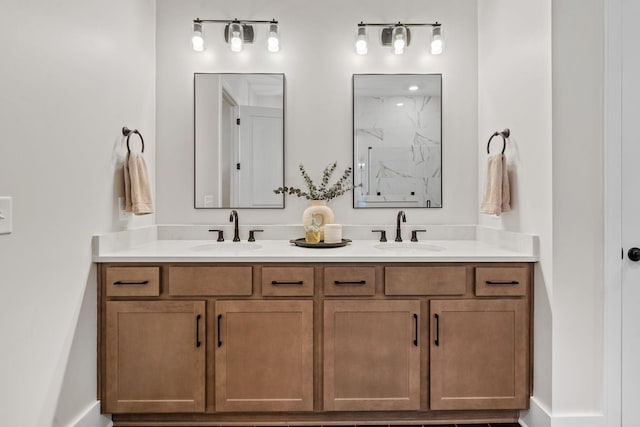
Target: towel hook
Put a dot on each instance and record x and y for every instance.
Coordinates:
(127, 132)
(504, 134)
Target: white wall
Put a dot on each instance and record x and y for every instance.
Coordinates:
(514, 84)
(578, 78)
(74, 72)
(541, 75)
(318, 60)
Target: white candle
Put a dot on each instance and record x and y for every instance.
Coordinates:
(333, 233)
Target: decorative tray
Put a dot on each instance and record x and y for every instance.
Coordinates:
(304, 244)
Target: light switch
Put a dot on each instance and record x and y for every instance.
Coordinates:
(5, 215)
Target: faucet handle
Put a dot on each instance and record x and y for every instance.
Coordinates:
(383, 234)
(414, 234)
(252, 238)
(220, 235)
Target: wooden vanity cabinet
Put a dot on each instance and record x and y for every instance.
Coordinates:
(155, 356)
(314, 343)
(264, 356)
(371, 355)
(479, 354)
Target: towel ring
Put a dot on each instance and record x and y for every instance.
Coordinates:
(504, 134)
(127, 132)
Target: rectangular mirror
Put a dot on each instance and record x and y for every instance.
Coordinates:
(239, 140)
(397, 140)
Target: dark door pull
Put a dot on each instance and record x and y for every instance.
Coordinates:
(437, 340)
(125, 282)
(219, 339)
(502, 282)
(415, 339)
(285, 282)
(198, 330)
(347, 283)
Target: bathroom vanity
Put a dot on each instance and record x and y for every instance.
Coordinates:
(356, 335)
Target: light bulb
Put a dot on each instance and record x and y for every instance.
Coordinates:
(437, 46)
(399, 38)
(361, 41)
(235, 37)
(196, 40)
(273, 39)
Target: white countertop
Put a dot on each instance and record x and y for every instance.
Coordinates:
(284, 251)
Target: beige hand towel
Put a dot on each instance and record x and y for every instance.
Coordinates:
(137, 192)
(497, 197)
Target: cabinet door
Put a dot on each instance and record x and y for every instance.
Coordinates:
(155, 359)
(371, 355)
(479, 354)
(264, 356)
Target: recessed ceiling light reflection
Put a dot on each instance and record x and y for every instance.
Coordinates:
(413, 88)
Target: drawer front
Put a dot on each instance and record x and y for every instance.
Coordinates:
(425, 280)
(349, 281)
(210, 281)
(133, 281)
(501, 281)
(287, 281)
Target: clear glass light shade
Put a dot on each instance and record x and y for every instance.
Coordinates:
(273, 38)
(399, 39)
(362, 41)
(235, 37)
(196, 40)
(437, 44)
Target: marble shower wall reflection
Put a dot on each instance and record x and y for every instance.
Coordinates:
(397, 141)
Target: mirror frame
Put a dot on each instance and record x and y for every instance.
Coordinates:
(354, 150)
(195, 150)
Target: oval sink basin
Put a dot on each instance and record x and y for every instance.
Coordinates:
(408, 247)
(227, 247)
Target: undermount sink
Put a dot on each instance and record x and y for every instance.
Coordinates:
(227, 247)
(408, 247)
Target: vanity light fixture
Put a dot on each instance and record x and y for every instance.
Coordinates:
(398, 36)
(362, 40)
(237, 33)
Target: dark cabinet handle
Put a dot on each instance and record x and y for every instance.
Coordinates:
(437, 340)
(415, 339)
(348, 283)
(198, 330)
(219, 339)
(125, 282)
(634, 254)
(501, 282)
(285, 282)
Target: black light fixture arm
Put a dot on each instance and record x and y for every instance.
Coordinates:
(235, 20)
(399, 24)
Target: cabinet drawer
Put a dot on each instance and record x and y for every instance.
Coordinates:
(349, 280)
(287, 281)
(210, 281)
(133, 281)
(425, 280)
(501, 281)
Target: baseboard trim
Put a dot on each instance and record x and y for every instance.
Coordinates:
(91, 417)
(540, 416)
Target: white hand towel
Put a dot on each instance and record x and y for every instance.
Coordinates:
(137, 192)
(497, 197)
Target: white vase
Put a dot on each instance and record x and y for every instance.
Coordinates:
(320, 212)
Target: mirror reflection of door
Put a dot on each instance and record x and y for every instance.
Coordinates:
(259, 159)
(239, 140)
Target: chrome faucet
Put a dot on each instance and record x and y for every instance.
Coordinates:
(233, 217)
(401, 216)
